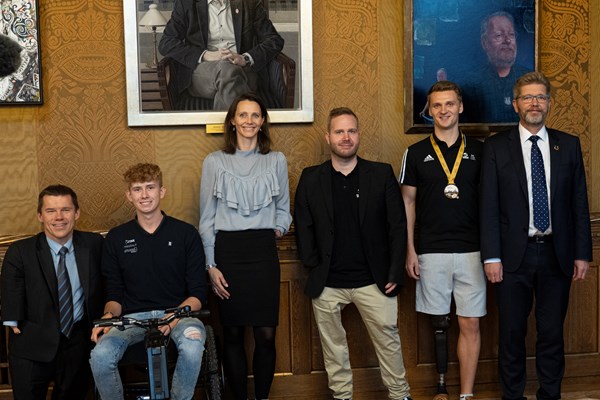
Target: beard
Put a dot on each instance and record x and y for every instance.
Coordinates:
(503, 58)
(344, 153)
(534, 119)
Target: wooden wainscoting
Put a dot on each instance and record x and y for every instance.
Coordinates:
(300, 373)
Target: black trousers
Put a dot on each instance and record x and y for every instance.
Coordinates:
(539, 277)
(70, 370)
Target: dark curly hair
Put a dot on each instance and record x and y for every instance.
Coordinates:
(10, 56)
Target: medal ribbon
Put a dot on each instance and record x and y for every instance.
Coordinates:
(450, 175)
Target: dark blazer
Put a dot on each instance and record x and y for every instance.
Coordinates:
(186, 36)
(504, 210)
(382, 223)
(30, 293)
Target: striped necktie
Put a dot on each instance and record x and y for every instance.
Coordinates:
(65, 297)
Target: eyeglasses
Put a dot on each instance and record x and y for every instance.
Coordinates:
(528, 98)
(501, 37)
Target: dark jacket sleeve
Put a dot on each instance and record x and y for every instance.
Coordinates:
(396, 225)
(183, 39)
(305, 227)
(581, 213)
(264, 43)
(94, 292)
(12, 287)
(489, 207)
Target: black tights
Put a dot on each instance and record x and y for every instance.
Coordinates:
(263, 362)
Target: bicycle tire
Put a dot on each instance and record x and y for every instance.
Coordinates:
(213, 373)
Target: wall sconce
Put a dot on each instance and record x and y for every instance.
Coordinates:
(153, 19)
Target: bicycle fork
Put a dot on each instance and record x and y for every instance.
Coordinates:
(157, 365)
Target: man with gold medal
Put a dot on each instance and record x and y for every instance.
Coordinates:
(440, 187)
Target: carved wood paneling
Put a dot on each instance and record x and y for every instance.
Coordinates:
(80, 137)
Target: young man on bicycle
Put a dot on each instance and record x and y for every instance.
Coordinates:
(151, 263)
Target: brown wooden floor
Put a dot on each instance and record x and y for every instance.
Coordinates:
(588, 390)
(581, 393)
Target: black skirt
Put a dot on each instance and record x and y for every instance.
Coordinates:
(250, 264)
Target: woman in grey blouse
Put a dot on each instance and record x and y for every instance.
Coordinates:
(244, 207)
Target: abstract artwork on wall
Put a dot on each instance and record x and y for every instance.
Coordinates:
(19, 29)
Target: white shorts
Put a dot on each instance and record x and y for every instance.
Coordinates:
(445, 274)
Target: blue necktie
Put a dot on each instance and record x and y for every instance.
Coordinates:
(541, 218)
(65, 297)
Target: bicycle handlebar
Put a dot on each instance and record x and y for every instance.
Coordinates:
(121, 322)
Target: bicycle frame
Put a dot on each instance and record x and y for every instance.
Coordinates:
(156, 346)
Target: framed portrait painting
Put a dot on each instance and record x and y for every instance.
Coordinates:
(482, 45)
(20, 79)
(155, 93)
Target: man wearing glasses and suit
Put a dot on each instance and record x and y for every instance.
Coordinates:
(535, 235)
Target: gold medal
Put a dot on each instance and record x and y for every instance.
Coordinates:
(451, 190)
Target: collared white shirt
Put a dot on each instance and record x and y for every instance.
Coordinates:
(220, 26)
(544, 145)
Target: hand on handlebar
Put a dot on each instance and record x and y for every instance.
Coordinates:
(167, 328)
(99, 331)
(101, 326)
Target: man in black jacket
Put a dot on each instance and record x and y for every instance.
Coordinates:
(50, 326)
(221, 47)
(351, 233)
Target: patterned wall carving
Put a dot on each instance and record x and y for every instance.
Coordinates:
(83, 139)
(80, 135)
(565, 59)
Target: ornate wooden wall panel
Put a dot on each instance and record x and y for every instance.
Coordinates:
(80, 137)
(83, 140)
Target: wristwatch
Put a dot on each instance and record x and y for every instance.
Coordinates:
(210, 266)
(246, 58)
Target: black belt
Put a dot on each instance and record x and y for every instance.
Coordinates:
(540, 239)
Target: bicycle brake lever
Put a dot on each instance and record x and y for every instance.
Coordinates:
(102, 323)
(179, 311)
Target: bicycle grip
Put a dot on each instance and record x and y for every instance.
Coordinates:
(103, 323)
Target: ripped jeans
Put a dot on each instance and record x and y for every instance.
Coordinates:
(189, 336)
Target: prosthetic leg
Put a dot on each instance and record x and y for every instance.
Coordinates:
(441, 323)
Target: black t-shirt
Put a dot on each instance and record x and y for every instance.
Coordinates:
(349, 267)
(444, 225)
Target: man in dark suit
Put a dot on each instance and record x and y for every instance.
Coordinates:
(535, 235)
(351, 233)
(221, 47)
(51, 291)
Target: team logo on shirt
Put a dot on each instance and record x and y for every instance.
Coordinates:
(428, 158)
(130, 246)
